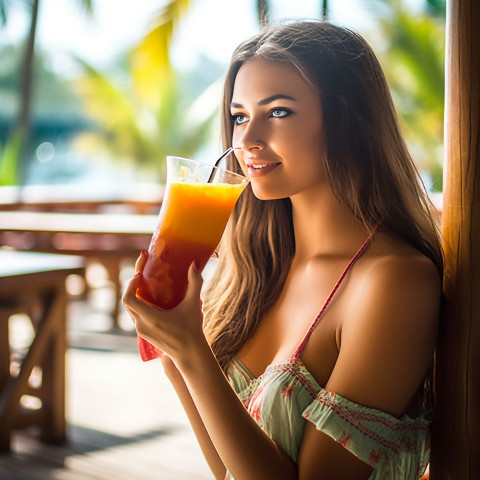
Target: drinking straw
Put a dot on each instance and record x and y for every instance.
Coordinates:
(217, 163)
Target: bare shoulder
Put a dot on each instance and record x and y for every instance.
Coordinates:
(390, 328)
(398, 274)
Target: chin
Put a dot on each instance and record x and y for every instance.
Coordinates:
(267, 194)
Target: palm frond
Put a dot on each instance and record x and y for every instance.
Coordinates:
(151, 66)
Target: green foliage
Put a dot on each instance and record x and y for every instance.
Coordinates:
(9, 155)
(3, 12)
(14, 153)
(143, 113)
(413, 60)
(437, 7)
(140, 132)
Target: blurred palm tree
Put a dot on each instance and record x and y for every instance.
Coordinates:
(13, 155)
(145, 115)
(413, 59)
(324, 10)
(263, 12)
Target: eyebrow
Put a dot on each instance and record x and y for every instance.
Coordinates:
(267, 100)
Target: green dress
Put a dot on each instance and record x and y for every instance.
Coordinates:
(286, 396)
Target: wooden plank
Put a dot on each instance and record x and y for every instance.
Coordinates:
(77, 198)
(455, 442)
(53, 368)
(78, 222)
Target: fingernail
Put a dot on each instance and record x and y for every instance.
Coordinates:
(143, 252)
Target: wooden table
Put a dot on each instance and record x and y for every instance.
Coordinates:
(34, 283)
(142, 198)
(106, 238)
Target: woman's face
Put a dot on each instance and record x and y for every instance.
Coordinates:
(278, 129)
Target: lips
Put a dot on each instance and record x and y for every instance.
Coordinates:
(260, 169)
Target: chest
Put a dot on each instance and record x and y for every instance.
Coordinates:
(283, 328)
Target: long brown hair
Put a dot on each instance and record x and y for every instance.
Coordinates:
(367, 163)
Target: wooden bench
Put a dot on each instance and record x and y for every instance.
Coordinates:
(34, 284)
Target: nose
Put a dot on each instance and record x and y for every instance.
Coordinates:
(249, 137)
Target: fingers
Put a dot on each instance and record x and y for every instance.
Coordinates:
(141, 261)
(195, 282)
(132, 286)
(129, 297)
(136, 306)
(168, 330)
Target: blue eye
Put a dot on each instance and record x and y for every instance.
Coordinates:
(239, 118)
(279, 112)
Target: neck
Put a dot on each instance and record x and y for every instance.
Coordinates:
(322, 226)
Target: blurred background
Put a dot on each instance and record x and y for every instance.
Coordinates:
(98, 92)
(93, 95)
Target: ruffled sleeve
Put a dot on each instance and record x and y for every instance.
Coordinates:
(397, 448)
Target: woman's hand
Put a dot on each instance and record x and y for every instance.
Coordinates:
(174, 331)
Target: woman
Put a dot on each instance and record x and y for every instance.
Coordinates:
(312, 352)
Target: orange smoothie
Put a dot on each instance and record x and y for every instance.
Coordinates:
(192, 220)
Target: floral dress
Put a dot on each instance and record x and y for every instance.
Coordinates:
(286, 396)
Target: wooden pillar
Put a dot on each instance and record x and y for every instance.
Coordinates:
(456, 433)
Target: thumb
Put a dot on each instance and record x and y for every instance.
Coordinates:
(129, 295)
(141, 261)
(195, 282)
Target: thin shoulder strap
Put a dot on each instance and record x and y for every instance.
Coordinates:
(300, 348)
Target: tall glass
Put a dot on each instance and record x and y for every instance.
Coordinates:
(198, 201)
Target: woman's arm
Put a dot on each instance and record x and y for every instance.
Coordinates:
(387, 339)
(211, 456)
(389, 335)
(244, 448)
(176, 379)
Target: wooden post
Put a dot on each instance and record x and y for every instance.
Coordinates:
(456, 431)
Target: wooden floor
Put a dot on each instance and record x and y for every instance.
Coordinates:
(124, 420)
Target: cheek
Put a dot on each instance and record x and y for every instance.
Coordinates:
(236, 137)
(303, 136)
(313, 146)
(239, 158)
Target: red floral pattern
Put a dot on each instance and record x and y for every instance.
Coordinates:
(344, 440)
(374, 457)
(287, 392)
